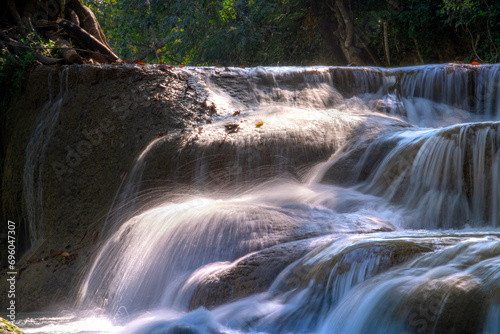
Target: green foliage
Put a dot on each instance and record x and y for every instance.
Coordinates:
(14, 69)
(478, 21)
(45, 47)
(296, 32)
(209, 32)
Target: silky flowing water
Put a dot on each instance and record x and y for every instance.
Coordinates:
(379, 190)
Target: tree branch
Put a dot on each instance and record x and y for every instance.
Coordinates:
(82, 37)
(17, 46)
(154, 48)
(366, 44)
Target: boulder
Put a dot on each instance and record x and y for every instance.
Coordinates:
(251, 274)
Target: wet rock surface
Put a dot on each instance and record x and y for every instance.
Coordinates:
(252, 274)
(453, 304)
(104, 115)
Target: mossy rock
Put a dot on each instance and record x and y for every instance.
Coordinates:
(8, 328)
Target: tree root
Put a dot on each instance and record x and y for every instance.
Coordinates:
(81, 28)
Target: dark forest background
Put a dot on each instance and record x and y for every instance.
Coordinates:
(252, 32)
(302, 32)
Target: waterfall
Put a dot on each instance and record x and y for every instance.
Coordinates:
(448, 175)
(35, 159)
(316, 200)
(470, 88)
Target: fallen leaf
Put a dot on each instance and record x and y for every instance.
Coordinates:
(218, 66)
(127, 60)
(137, 61)
(209, 121)
(55, 253)
(236, 113)
(241, 66)
(142, 63)
(181, 66)
(259, 124)
(475, 63)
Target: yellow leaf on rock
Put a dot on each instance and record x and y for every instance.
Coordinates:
(259, 124)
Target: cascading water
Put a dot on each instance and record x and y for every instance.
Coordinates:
(328, 200)
(35, 165)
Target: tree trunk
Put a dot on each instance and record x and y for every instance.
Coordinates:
(346, 34)
(366, 45)
(88, 21)
(420, 59)
(386, 44)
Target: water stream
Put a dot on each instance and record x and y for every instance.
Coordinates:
(367, 201)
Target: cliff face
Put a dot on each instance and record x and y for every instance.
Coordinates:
(68, 140)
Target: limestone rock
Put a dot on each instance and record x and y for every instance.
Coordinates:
(251, 274)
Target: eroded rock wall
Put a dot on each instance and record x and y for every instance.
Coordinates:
(77, 130)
